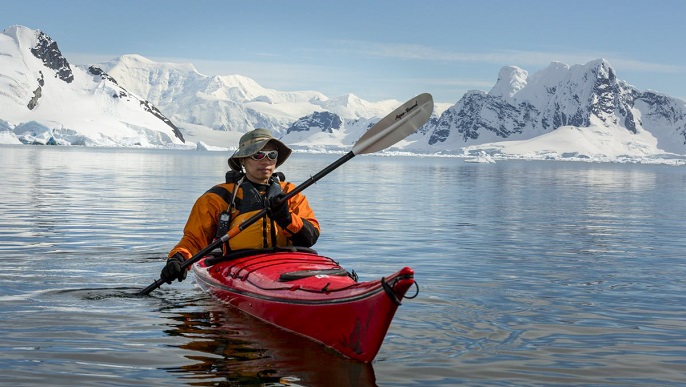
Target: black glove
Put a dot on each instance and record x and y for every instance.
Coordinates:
(280, 212)
(173, 270)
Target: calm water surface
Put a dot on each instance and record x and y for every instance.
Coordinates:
(531, 273)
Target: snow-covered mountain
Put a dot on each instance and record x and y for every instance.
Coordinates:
(230, 103)
(593, 111)
(579, 111)
(45, 99)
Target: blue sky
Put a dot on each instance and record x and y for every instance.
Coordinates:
(374, 49)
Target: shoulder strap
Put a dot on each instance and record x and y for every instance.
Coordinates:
(232, 177)
(222, 192)
(224, 220)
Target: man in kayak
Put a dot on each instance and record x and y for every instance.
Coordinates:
(252, 185)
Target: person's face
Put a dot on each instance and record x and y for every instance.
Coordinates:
(259, 171)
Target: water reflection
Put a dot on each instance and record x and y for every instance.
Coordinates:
(231, 348)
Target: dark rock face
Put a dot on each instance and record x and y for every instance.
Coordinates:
(37, 93)
(36, 96)
(479, 112)
(326, 121)
(663, 113)
(46, 50)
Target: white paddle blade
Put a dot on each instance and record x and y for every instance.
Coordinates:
(396, 126)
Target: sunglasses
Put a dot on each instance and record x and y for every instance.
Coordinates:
(260, 155)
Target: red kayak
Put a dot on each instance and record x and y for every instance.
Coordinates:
(308, 294)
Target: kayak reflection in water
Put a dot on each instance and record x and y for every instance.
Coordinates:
(252, 185)
(227, 348)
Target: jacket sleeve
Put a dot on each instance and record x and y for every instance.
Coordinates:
(304, 228)
(201, 226)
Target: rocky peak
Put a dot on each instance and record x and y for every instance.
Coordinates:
(46, 50)
(611, 100)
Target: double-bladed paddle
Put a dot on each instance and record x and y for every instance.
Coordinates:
(396, 126)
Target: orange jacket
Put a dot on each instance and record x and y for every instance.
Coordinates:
(201, 227)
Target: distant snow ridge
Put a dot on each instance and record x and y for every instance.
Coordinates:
(232, 103)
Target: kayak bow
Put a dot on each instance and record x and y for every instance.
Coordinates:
(308, 294)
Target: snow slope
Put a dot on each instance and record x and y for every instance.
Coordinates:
(43, 96)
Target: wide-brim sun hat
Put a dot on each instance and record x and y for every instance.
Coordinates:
(252, 142)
